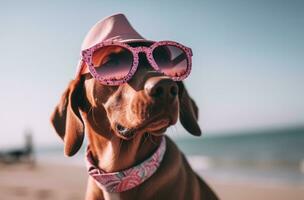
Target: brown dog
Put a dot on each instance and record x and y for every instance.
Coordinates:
(124, 125)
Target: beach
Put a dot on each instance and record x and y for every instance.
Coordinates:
(43, 181)
(236, 167)
(68, 182)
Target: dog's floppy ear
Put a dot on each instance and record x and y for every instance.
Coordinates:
(66, 118)
(188, 111)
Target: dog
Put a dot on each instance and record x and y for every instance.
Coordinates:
(125, 126)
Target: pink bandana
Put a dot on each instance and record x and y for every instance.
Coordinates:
(129, 178)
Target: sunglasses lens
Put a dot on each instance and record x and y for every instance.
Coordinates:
(112, 62)
(171, 60)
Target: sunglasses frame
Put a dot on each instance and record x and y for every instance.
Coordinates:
(87, 55)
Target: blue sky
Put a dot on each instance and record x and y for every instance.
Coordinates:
(248, 64)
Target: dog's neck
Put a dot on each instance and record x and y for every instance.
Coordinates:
(117, 154)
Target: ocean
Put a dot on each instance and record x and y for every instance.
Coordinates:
(270, 156)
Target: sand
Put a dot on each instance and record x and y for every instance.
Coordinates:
(68, 182)
(44, 181)
(235, 190)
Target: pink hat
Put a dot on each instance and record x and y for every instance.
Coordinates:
(115, 27)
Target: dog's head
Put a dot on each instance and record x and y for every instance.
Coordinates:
(149, 103)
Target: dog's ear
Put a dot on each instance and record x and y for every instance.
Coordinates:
(67, 120)
(188, 111)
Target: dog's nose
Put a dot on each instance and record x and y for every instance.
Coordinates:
(161, 88)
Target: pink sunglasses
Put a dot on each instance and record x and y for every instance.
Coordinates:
(114, 63)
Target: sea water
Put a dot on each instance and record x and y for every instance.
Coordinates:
(266, 155)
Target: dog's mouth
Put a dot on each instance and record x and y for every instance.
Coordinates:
(155, 127)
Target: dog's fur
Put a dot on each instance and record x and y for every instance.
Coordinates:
(87, 106)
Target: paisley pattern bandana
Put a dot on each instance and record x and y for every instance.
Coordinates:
(129, 178)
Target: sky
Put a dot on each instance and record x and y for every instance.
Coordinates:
(248, 63)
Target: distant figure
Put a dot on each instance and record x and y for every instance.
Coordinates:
(25, 154)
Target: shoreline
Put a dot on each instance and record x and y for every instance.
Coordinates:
(68, 182)
(217, 169)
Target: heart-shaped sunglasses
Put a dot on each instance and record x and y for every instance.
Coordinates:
(114, 63)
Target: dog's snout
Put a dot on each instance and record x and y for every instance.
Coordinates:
(161, 88)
